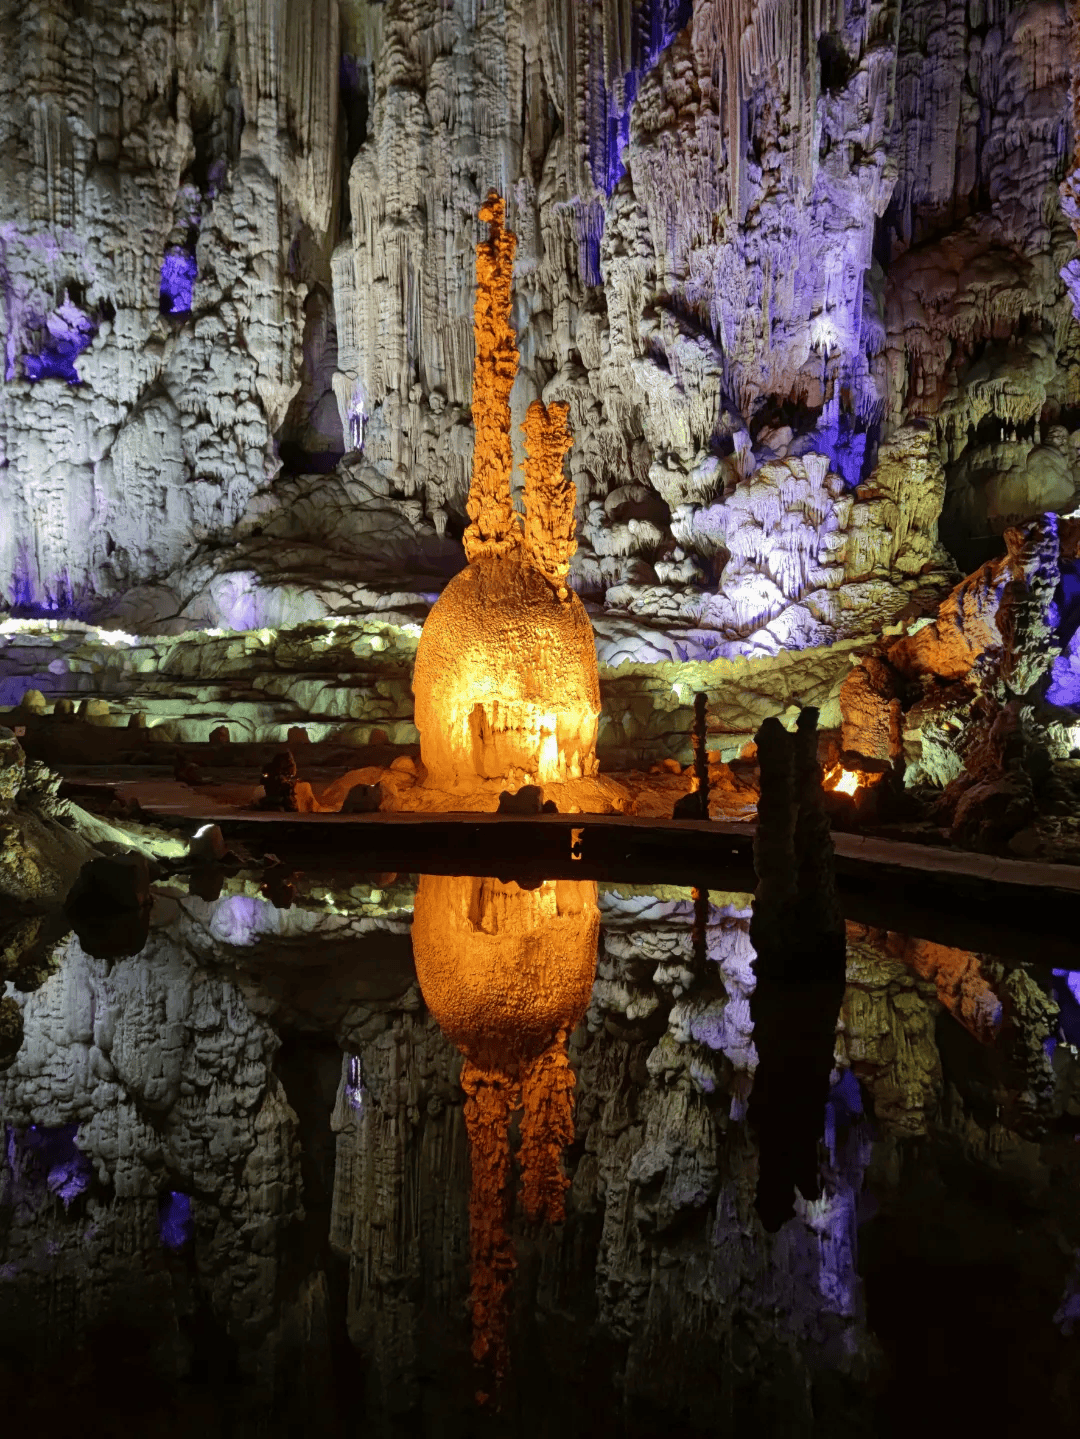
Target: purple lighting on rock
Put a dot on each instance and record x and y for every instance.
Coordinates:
(1068, 1314)
(31, 599)
(40, 1161)
(354, 1083)
(67, 332)
(842, 1108)
(1064, 689)
(179, 271)
(1066, 986)
(174, 1220)
(848, 442)
(590, 222)
(349, 76)
(654, 25)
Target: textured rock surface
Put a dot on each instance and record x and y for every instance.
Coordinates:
(181, 1075)
(505, 680)
(352, 680)
(871, 712)
(800, 275)
(142, 149)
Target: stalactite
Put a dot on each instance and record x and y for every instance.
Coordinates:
(547, 1128)
(1069, 188)
(550, 494)
(496, 528)
(492, 1098)
(752, 39)
(289, 69)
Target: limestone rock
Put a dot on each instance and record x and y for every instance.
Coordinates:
(871, 712)
(12, 766)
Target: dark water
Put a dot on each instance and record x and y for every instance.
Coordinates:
(237, 1168)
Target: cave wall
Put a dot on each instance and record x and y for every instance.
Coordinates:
(795, 269)
(160, 170)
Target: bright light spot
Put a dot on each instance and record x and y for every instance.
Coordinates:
(354, 1083)
(206, 828)
(823, 334)
(846, 781)
(16, 627)
(116, 637)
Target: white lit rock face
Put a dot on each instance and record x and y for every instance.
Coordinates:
(799, 289)
(163, 175)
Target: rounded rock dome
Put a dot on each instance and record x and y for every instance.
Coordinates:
(506, 681)
(505, 969)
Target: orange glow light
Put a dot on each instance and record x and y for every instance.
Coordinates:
(507, 972)
(847, 781)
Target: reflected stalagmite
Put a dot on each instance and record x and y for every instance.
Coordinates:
(506, 681)
(507, 972)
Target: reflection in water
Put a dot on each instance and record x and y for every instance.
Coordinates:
(174, 1163)
(798, 934)
(507, 972)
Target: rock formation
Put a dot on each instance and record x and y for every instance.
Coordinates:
(801, 277)
(505, 680)
(507, 972)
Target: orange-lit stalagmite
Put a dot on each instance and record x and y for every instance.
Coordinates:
(507, 973)
(496, 526)
(506, 683)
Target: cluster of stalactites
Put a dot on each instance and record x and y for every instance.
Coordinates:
(495, 528)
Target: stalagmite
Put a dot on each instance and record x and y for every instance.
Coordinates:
(550, 519)
(495, 528)
(505, 680)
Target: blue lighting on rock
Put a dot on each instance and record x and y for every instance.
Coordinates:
(43, 1160)
(1064, 688)
(66, 334)
(174, 1220)
(655, 26)
(179, 271)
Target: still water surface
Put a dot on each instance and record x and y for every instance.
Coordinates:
(453, 1156)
